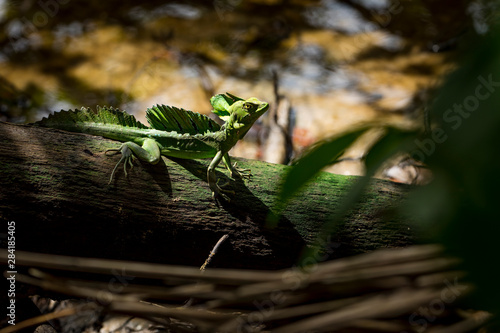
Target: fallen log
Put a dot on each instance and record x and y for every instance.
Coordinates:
(54, 186)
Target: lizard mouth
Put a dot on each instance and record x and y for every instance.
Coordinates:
(263, 107)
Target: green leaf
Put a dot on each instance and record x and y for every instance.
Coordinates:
(394, 141)
(308, 166)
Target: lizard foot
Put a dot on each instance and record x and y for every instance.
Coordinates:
(127, 158)
(218, 192)
(240, 173)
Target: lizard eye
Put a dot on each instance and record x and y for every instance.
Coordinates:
(248, 106)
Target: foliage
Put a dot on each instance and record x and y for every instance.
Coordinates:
(393, 141)
(459, 208)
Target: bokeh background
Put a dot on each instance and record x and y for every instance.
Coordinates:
(339, 63)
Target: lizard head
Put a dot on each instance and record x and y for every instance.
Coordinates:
(245, 112)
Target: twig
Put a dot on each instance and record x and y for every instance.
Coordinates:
(46, 317)
(467, 325)
(373, 291)
(138, 269)
(213, 252)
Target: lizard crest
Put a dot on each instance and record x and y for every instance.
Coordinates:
(173, 132)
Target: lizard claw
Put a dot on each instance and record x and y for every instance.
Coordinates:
(240, 173)
(217, 195)
(218, 192)
(127, 158)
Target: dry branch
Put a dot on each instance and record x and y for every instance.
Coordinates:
(368, 292)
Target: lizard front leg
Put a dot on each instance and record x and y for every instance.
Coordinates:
(235, 171)
(149, 152)
(212, 178)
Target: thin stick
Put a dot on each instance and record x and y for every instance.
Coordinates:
(45, 318)
(213, 252)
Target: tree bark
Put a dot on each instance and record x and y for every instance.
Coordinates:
(55, 188)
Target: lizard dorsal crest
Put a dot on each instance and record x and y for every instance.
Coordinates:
(170, 118)
(73, 119)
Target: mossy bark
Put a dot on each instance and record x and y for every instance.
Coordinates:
(55, 187)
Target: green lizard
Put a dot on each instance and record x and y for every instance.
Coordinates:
(174, 132)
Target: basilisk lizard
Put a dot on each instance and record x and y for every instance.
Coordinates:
(173, 132)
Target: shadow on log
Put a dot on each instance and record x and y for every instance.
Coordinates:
(55, 188)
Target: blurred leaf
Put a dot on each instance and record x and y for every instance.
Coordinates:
(460, 206)
(313, 162)
(394, 141)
